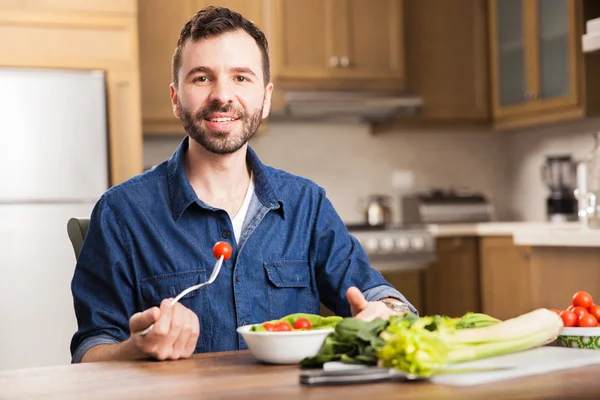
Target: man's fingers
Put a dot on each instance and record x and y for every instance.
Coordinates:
(193, 338)
(142, 320)
(163, 325)
(179, 332)
(357, 301)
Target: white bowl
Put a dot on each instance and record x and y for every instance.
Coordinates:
(289, 347)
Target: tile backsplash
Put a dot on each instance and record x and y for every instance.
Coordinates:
(350, 162)
(528, 150)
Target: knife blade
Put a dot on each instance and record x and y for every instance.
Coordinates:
(376, 374)
(354, 376)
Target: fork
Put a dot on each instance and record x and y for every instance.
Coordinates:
(210, 280)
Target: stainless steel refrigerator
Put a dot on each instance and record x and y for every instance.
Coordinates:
(54, 165)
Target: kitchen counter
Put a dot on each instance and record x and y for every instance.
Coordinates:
(487, 228)
(568, 235)
(238, 375)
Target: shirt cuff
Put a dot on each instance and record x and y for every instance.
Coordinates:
(89, 343)
(382, 291)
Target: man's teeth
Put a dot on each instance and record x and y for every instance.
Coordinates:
(221, 119)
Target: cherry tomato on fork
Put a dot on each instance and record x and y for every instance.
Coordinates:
(222, 249)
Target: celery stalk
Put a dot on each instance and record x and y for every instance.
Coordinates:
(514, 328)
(427, 345)
(500, 347)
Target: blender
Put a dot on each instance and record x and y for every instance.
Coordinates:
(559, 174)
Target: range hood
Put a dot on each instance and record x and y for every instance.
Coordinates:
(335, 105)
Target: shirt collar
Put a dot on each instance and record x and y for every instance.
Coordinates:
(182, 194)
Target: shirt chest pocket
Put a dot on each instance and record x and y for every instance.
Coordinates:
(159, 287)
(289, 288)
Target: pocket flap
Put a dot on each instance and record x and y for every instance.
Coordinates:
(288, 273)
(158, 287)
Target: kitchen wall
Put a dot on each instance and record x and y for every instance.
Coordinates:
(350, 162)
(528, 150)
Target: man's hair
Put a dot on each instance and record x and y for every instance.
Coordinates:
(214, 21)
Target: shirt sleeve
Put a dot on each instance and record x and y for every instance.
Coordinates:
(341, 262)
(102, 284)
(384, 291)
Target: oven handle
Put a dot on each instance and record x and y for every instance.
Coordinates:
(419, 264)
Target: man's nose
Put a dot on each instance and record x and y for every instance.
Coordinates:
(222, 92)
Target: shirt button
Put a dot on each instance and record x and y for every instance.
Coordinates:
(237, 278)
(226, 234)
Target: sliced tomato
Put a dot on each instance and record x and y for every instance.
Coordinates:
(302, 323)
(268, 326)
(282, 326)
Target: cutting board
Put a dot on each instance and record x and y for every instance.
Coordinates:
(537, 361)
(527, 363)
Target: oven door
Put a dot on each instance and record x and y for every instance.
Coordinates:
(407, 276)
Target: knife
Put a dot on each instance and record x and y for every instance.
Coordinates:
(375, 374)
(354, 376)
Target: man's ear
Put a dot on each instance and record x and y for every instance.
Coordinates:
(267, 100)
(174, 102)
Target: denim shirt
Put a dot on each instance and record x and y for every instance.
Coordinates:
(151, 237)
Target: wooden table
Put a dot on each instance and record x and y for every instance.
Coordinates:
(238, 375)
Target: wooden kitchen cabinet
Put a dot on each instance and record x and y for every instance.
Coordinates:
(452, 281)
(506, 277)
(446, 60)
(160, 23)
(345, 42)
(539, 73)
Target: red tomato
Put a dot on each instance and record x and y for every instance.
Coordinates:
(579, 311)
(282, 326)
(587, 320)
(569, 318)
(268, 326)
(595, 311)
(222, 249)
(570, 308)
(302, 323)
(582, 299)
(555, 310)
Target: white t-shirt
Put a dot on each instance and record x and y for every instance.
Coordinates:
(238, 220)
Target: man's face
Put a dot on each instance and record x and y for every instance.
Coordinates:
(221, 96)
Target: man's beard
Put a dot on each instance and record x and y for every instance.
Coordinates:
(219, 142)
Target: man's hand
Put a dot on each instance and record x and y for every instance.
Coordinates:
(174, 334)
(367, 310)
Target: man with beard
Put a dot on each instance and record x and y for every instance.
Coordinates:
(151, 237)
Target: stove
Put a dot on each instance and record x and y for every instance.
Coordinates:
(395, 248)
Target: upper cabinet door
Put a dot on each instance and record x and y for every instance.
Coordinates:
(304, 38)
(340, 40)
(534, 59)
(375, 39)
(508, 52)
(556, 77)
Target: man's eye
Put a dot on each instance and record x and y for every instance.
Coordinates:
(241, 79)
(200, 79)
